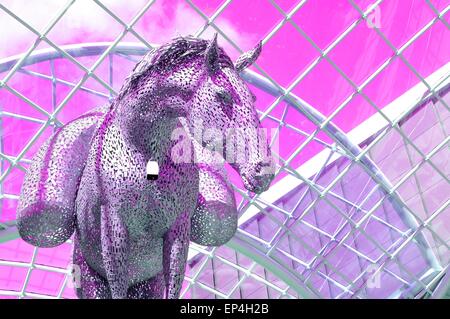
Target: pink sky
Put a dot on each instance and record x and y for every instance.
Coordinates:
(285, 56)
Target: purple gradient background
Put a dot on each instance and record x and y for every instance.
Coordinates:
(285, 56)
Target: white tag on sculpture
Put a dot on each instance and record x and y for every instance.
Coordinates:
(152, 170)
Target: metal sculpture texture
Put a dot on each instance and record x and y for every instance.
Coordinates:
(132, 234)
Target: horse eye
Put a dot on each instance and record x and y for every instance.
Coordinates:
(225, 97)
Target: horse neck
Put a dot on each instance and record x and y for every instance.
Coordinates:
(162, 120)
(151, 137)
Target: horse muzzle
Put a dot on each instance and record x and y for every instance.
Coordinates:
(258, 179)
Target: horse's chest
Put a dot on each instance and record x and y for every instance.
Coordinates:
(147, 206)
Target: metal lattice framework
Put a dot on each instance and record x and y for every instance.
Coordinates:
(313, 234)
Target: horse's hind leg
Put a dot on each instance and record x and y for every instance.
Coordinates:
(46, 211)
(91, 284)
(152, 288)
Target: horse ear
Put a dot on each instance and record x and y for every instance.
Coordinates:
(247, 58)
(212, 56)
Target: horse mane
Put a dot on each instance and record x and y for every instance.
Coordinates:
(169, 56)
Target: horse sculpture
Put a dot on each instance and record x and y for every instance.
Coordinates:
(132, 234)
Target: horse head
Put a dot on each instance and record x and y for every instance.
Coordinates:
(223, 105)
(196, 80)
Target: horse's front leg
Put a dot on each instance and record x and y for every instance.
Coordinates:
(214, 221)
(176, 246)
(114, 250)
(91, 284)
